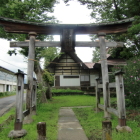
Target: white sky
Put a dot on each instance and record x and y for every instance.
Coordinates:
(72, 14)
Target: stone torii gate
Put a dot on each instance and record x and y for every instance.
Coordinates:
(67, 43)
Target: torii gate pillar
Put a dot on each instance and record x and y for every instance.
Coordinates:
(105, 78)
(31, 57)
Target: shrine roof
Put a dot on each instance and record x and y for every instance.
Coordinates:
(72, 55)
(19, 26)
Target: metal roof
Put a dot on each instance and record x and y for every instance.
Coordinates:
(6, 70)
(89, 64)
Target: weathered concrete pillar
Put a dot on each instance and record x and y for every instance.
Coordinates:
(97, 95)
(121, 102)
(31, 57)
(105, 77)
(34, 102)
(41, 130)
(107, 130)
(18, 131)
(120, 98)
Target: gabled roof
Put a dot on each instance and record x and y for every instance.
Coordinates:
(72, 55)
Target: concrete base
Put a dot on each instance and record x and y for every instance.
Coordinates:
(34, 113)
(17, 133)
(123, 129)
(28, 119)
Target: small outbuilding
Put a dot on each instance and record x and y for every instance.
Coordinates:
(8, 80)
(70, 72)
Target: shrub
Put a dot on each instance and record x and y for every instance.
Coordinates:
(66, 91)
(7, 93)
(131, 81)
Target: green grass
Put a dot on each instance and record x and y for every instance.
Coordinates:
(5, 94)
(49, 113)
(6, 115)
(90, 121)
(92, 125)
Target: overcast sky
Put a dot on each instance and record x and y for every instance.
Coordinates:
(72, 14)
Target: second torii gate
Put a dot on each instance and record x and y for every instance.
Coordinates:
(67, 43)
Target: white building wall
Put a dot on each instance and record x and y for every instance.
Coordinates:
(69, 81)
(7, 82)
(3, 85)
(1, 88)
(93, 80)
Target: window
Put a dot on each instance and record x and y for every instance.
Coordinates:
(84, 77)
(70, 76)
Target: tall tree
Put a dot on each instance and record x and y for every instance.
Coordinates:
(96, 55)
(113, 10)
(28, 10)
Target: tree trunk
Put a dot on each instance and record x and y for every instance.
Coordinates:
(48, 92)
(116, 9)
(38, 71)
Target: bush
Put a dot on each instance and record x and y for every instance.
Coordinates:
(66, 91)
(131, 81)
(7, 93)
(40, 91)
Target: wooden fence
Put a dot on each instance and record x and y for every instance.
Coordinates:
(120, 112)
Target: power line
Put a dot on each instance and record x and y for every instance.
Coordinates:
(11, 64)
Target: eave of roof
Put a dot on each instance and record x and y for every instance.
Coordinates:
(111, 62)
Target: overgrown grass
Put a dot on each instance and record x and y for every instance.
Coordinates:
(92, 125)
(5, 94)
(49, 113)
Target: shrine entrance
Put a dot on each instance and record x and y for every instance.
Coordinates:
(67, 44)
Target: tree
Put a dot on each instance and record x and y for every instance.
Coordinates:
(113, 10)
(96, 55)
(48, 53)
(33, 10)
(131, 80)
(27, 10)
